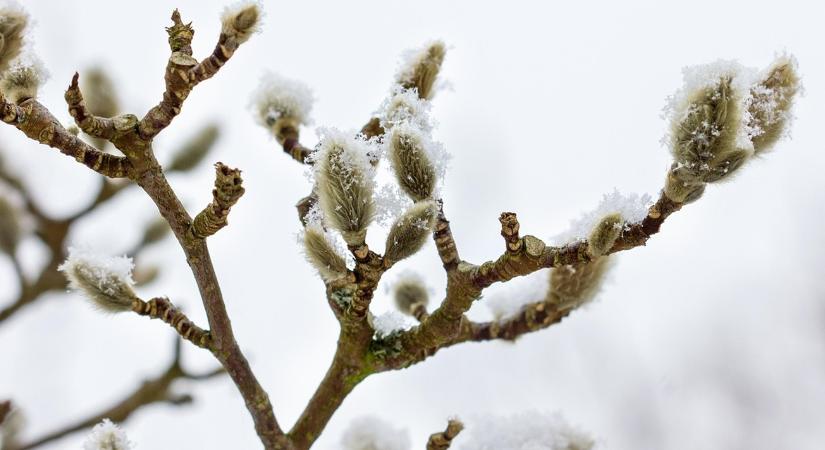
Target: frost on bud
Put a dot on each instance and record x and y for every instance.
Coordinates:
(414, 171)
(99, 93)
(107, 436)
(770, 101)
(410, 232)
(420, 68)
(705, 138)
(239, 22)
(106, 281)
(9, 227)
(410, 295)
(13, 23)
(345, 184)
(281, 104)
(604, 234)
(322, 254)
(573, 286)
(22, 80)
(405, 106)
(194, 150)
(372, 433)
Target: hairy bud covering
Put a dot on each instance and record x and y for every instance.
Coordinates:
(573, 286)
(13, 23)
(770, 102)
(604, 234)
(322, 254)
(410, 232)
(421, 68)
(345, 185)
(106, 281)
(410, 294)
(414, 171)
(21, 81)
(241, 21)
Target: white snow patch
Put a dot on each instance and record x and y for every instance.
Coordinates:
(509, 298)
(632, 207)
(107, 436)
(372, 433)
(109, 272)
(524, 431)
(391, 321)
(278, 96)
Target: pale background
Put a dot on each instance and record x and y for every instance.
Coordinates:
(713, 336)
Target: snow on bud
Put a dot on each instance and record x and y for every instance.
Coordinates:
(280, 102)
(573, 286)
(372, 433)
(107, 436)
(9, 226)
(770, 101)
(413, 168)
(345, 183)
(106, 281)
(410, 232)
(240, 21)
(22, 80)
(322, 254)
(420, 68)
(194, 150)
(405, 106)
(527, 430)
(13, 23)
(99, 93)
(410, 294)
(604, 234)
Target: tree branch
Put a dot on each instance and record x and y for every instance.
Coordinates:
(443, 440)
(228, 189)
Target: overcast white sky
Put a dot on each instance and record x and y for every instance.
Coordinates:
(710, 337)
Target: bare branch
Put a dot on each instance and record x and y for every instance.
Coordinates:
(442, 440)
(99, 127)
(228, 189)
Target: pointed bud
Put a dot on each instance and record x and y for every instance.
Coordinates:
(573, 286)
(241, 21)
(194, 150)
(13, 23)
(22, 80)
(770, 102)
(404, 106)
(344, 178)
(107, 436)
(682, 191)
(421, 68)
(411, 295)
(99, 93)
(410, 232)
(414, 171)
(707, 133)
(604, 234)
(9, 227)
(106, 281)
(322, 254)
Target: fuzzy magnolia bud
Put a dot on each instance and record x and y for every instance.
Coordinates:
(345, 184)
(107, 436)
(9, 227)
(322, 254)
(573, 286)
(21, 81)
(99, 93)
(682, 191)
(13, 23)
(770, 102)
(411, 295)
(706, 133)
(421, 68)
(106, 281)
(410, 232)
(604, 234)
(404, 106)
(240, 22)
(414, 171)
(281, 103)
(194, 150)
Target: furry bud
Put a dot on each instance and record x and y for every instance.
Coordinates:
(573, 286)
(421, 68)
(411, 295)
(604, 234)
(106, 281)
(414, 171)
(281, 103)
(682, 191)
(107, 436)
(13, 24)
(322, 254)
(770, 102)
(410, 232)
(21, 81)
(194, 150)
(345, 184)
(241, 21)
(9, 227)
